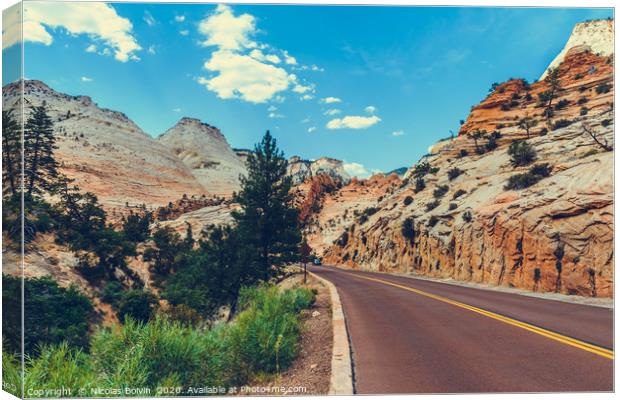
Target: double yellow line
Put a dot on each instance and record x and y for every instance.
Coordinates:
(601, 351)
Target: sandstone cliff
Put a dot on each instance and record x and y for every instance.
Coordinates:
(205, 151)
(101, 148)
(555, 235)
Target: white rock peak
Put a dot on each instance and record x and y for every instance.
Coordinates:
(596, 34)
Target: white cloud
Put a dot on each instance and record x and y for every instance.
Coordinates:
(260, 56)
(243, 77)
(240, 66)
(184, 32)
(353, 122)
(306, 97)
(179, 18)
(176, 110)
(98, 21)
(333, 111)
(226, 31)
(356, 169)
(330, 100)
(289, 59)
(272, 108)
(299, 88)
(275, 115)
(370, 109)
(149, 19)
(398, 133)
(86, 79)
(91, 49)
(311, 129)
(305, 120)
(151, 49)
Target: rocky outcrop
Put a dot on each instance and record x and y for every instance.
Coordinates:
(556, 235)
(598, 35)
(100, 149)
(302, 170)
(205, 151)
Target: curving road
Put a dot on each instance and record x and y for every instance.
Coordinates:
(418, 336)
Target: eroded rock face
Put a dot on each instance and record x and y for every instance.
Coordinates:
(101, 150)
(302, 170)
(205, 151)
(553, 236)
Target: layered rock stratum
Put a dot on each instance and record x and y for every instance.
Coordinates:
(554, 236)
(101, 150)
(207, 154)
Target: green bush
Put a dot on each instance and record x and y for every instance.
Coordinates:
(561, 123)
(408, 229)
(463, 153)
(137, 304)
(419, 185)
(454, 173)
(452, 206)
(408, 200)
(521, 153)
(52, 314)
(112, 293)
(440, 191)
(605, 123)
(603, 88)
(527, 179)
(458, 194)
(467, 217)
(162, 353)
(432, 205)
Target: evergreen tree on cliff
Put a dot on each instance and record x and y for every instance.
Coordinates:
(11, 153)
(40, 166)
(267, 222)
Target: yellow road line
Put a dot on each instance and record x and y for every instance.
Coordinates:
(601, 351)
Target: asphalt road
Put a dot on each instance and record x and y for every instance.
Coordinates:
(417, 336)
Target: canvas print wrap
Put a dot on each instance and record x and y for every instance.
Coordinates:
(225, 199)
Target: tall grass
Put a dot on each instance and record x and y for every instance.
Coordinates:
(263, 339)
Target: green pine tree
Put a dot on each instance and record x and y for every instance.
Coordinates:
(267, 222)
(40, 166)
(11, 153)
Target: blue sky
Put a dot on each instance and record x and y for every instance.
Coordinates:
(373, 86)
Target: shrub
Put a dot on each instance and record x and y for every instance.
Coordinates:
(582, 89)
(467, 216)
(343, 239)
(605, 123)
(582, 100)
(578, 76)
(424, 168)
(112, 293)
(527, 179)
(454, 173)
(440, 191)
(432, 221)
(136, 227)
(463, 153)
(521, 153)
(408, 229)
(544, 131)
(52, 314)
(561, 104)
(491, 143)
(583, 111)
(408, 200)
(505, 107)
(452, 206)
(458, 194)
(137, 304)
(264, 336)
(419, 185)
(432, 205)
(561, 123)
(528, 97)
(603, 88)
